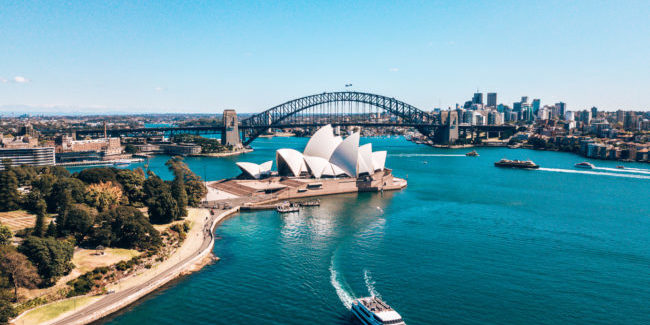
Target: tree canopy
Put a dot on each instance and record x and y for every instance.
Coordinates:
(50, 256)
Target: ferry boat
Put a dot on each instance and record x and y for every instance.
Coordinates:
(472, 153)
(121, 163)
(585, 164)
(527, 164)
(373, 311)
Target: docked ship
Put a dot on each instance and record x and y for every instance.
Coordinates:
(472, 153)
(287, 207)
(525, 164)
(373, 311)
(585, 165)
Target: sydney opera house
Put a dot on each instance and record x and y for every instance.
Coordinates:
(325, 156)
(329, 164)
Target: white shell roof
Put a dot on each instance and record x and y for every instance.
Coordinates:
(254, 170)
(316, 165)
(290, 158)
(365, 159)
(346, 154)
(322, 143)
(379, 160)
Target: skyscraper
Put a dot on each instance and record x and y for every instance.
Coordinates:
(594, 112)
(478, 98)
(492, 99)
(536, 105)
(561, 109)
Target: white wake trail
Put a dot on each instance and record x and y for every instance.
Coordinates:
(370, 284)
(345, 297)
(626, 170)
(570, 171)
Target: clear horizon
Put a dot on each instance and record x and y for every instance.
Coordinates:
(168, 57)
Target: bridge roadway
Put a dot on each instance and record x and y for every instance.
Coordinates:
(218, 129)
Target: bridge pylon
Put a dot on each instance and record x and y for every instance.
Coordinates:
(230, 133)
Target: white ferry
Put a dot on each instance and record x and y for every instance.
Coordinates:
(373, 311)
(585, 165)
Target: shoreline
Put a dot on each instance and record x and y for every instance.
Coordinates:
(108, 304)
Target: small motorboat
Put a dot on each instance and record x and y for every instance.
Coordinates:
(585, 165)
(287, 207)
(472, 153)
(620, 167)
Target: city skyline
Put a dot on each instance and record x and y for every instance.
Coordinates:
(177, 58)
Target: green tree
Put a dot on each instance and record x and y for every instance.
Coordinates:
(50, 256)
(130, 149)
(97, 175)
(180, 195)
(9, 196)
(162, 209)
(7, 310)
(77, 221)
(5, 235)
(19, 271)
(39, 227)
(132, 182)
(51, 230)
(125, 227)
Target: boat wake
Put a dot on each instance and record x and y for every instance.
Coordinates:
(370, 284)
(626, 170)
(341, 287)
(424, 155)
(571, 171)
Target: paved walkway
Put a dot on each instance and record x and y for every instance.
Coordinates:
(115, 301)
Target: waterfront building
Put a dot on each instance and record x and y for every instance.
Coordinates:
(39, 156)
(491, 99)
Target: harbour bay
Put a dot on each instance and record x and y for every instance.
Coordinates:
(465, 243)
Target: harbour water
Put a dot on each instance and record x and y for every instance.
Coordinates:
(464, 243)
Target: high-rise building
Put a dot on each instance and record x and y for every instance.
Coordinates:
(594, 112)
(492, 99)
(478, 98)
(536, 105)
(561, 109)
(524, 99)
(620, 116)
(631, 120)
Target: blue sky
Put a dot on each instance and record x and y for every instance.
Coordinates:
(206, 56)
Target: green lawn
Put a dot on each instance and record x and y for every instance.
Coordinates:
(50, 311)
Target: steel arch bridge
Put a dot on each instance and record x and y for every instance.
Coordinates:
(284, 115)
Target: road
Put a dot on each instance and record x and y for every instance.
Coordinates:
(82, 315)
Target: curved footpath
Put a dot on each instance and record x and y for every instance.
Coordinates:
(116, 301)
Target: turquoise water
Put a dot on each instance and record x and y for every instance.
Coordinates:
(464, 243)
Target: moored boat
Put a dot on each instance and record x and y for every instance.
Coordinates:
(525, 164)
(287, 207)
(313, 203)
(373, 311)
(585, 165)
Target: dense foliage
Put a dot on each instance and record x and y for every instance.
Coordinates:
(50, 256)
(125, 227)
(208, 145)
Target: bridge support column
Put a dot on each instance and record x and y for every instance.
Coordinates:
(230, 133)
(448, 133)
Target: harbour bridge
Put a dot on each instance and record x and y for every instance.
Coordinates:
(344, 108)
